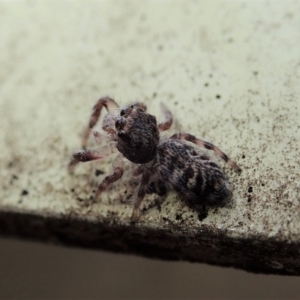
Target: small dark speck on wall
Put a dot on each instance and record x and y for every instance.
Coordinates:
(98, 172)
(178, 217)
(24, 193)
(250, 189)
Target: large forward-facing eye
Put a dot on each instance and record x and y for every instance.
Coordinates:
(123, 111)
(120, 123)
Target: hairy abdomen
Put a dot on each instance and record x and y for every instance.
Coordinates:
(191, 173)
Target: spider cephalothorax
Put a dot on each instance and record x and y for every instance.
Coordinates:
(137, 134)
(172, 162)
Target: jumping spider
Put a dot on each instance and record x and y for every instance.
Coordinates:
(136, 135)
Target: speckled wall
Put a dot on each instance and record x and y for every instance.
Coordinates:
(228, 70)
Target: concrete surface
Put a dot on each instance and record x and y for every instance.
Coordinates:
(229, 71)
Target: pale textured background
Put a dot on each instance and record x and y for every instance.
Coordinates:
(228, 69)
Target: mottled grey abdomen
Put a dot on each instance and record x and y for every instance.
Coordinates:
(191, 173)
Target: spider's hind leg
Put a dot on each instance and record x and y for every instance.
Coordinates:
(201, 143)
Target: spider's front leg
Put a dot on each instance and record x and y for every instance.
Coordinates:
(88, 155)
(141, 194)
(116, 175)
(201, 143)
(168, 119)
(109, 104)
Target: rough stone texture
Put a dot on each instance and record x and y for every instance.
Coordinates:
(230, 73)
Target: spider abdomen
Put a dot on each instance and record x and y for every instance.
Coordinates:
(191, 173)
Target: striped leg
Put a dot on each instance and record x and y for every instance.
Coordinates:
(201, 143)
(109, 104)
(141, 194)
(108, 180)
(168, 119)
(88, 155)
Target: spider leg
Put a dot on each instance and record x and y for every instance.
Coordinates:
(168, 119)
(109, 104)
(201, 143)
(98, 137)
(138, 171)
(88, 155)
(141, 105)
(116, 175)
(141, 194)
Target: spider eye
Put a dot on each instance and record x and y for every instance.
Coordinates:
(120, 123)
(138, 106)
(122, 112)
(141, 106)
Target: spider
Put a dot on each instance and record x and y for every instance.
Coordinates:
(135, 134)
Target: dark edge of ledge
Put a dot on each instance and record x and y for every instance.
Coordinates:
(258, 256)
